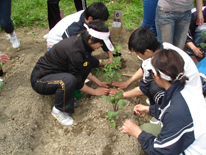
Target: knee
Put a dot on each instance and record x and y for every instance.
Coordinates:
(70, 81)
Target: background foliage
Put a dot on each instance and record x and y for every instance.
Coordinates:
(34, 12)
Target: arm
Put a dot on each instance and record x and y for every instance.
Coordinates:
(97, 81)
(122, 85)
(200, 18)
(97, 92)
(195, 49)
(106, 61)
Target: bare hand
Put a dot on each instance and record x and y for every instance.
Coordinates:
(113, 91)
(140, 109)
(4, 58)
(104, 84)
(197, 52)
(131, 129)
(121, 85)
(200, 19)
(101, 91)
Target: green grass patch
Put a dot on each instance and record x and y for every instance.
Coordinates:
(28, 13)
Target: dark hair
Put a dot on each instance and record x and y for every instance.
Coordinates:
(170, 63)
(97, 25)
(97, 10)
(142, 39)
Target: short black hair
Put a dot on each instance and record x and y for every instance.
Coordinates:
(97, 10)
(142, 39)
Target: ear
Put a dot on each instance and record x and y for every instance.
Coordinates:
(156, 77)
(90, 18)
(149, 53)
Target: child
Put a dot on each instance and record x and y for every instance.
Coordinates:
(73, 24)
(66, 66)
(182, 111)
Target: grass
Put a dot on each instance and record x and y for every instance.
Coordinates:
(29, 13)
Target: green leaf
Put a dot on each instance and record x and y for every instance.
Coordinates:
(107, 98)
(118, 95)
(113, 124)
(118, 47)
(1, 65)
(1, 84)
(112, 114)
(112, 100)
(202, 45)
(121, 103)
(203, 34)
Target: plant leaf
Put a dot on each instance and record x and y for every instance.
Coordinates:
(113, 124)
(112, 114)
(107, 98)
(121, 103)
(118, 95)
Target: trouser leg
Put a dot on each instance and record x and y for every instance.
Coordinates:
(61, 84)
(53, 12)
(5, 16)
(80, 4)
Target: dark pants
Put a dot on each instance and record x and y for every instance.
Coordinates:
(5, 13)
(53, 12)
(61, 84)
(80, 4)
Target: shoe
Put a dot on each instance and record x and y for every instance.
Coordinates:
(62, 117)
(147, 101)
(14, 41)
(76, 104)
(154, 121)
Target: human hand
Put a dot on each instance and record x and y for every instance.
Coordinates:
(104, 84)
(4, 58)
(101, 91)
(197, 52)
(140, 109)
(113, 91)
(200, 18)
(121, 85)
(131, 129)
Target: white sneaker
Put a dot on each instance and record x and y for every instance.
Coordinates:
(147, 101)
(154, 121)
(14, 40)
(62, 117)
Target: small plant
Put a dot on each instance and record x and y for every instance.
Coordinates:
(116, 102)
(203, 44)
(109, 70)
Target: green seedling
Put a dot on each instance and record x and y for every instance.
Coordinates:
(116, 102)
(203, 44)
(109, 70)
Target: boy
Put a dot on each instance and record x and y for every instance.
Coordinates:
(144, 43)
(73, 24)
(66, 66)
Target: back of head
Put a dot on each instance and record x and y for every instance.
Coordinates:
(170, 63)
(142, 39)
(97, 10)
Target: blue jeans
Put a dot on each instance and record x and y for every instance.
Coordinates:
(149, 15)
(172, 26)
(5, 13)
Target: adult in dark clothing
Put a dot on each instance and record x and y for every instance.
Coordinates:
(54, 11)
(80, 4)
(66, 66)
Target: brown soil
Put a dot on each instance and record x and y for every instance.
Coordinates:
(26, 123)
